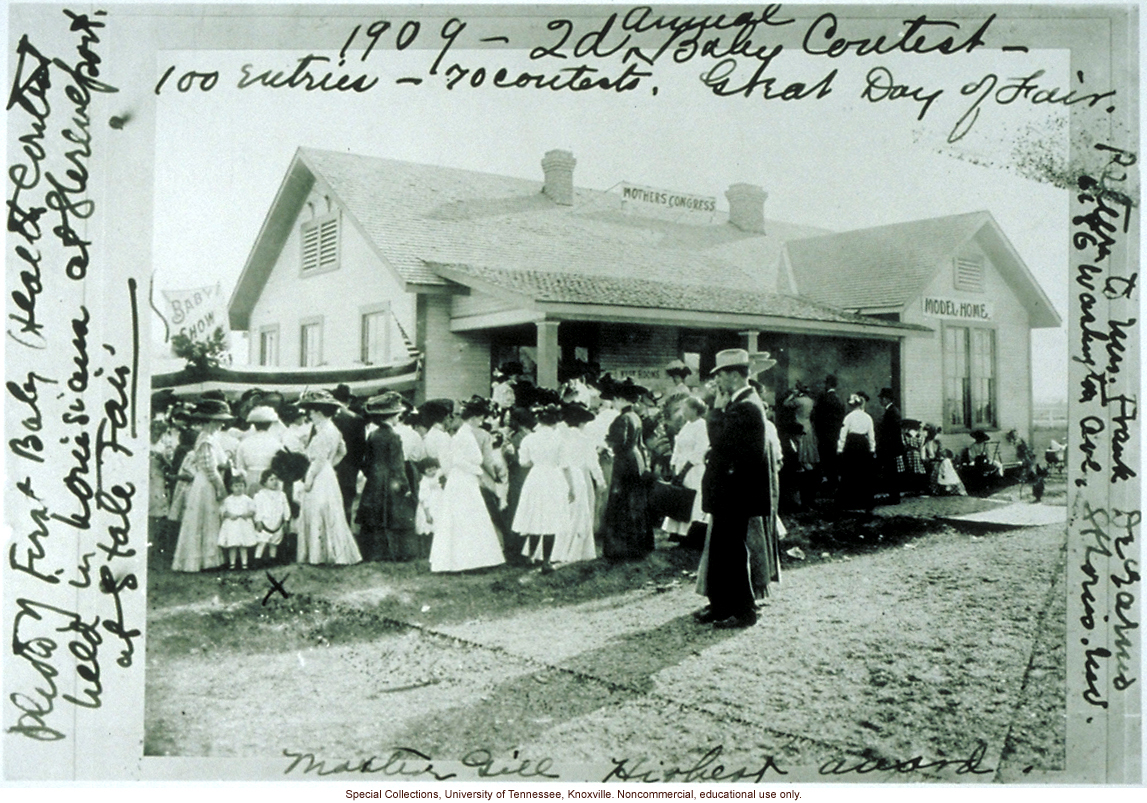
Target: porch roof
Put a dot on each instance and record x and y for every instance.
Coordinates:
(576, 295)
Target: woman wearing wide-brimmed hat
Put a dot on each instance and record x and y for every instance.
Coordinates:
(464, 536)
(255, 451)
(627, 532)
(324, 535)
(197, 547)
(386, 506)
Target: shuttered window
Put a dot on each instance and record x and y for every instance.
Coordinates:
(969, 274)
(320, 243)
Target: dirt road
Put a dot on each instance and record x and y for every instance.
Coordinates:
(948, 647)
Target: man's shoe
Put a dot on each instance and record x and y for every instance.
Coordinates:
(704, 616)
(736, 622)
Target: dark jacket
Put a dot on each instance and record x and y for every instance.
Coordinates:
(387, 501)
(353, 429)
(827, 419)
(736, 480)
(889, 440)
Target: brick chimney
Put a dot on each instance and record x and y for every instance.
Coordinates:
(558, 167)
(747, 207)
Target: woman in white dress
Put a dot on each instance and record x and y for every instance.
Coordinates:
(324, 535)
(688, 462)
(579, 458)
(438, 417)
(255, 451)
(544, 507)
(464, 536)
(198, 545)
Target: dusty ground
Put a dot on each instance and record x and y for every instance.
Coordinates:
(893, 637)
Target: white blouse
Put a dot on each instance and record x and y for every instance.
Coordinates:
(691, 445)
(857, 422)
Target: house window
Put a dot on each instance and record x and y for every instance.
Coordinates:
(320, 244)
(269, 345)
(969, 377)
(311, 344)
(375, 339)
(969, 274)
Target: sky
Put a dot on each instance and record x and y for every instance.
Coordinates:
(838, 163)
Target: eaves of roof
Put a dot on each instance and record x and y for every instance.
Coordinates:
(597, 297)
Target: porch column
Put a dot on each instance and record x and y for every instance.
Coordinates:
(751, 341)
(548, 354)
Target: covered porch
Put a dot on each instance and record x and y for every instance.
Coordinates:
(633, 328)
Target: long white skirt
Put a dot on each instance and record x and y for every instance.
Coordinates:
(575, 542)
(464, 536)
(324, 535)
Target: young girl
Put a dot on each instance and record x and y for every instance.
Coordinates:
(429, 496)
(272, 512)
(237, 530)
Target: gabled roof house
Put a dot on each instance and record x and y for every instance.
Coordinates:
(363, 260)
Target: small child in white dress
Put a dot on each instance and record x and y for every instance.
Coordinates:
(237, 530)
(272, 514)
(429, 498)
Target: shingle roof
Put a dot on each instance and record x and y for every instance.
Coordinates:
(883, 266)
(418, 213)
(630, 291)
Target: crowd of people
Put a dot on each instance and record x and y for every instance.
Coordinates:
(529, 476)
(837, 457)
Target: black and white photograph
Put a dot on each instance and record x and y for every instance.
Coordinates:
(607, 394)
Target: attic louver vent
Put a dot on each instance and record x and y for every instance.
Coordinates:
(320, 240)
(969, 274)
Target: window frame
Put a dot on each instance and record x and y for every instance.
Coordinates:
(304, 324)
(365, 312)
(970, 399)
(268, 330)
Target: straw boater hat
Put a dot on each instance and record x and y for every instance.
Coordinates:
(211, 410)
(262, 415)
(385, 404)
(319, 399)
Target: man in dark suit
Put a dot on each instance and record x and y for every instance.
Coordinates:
(352, 426)
(889, 445)
(734, 489)
(827, 419)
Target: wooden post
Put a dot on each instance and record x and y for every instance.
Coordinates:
(548, 353)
